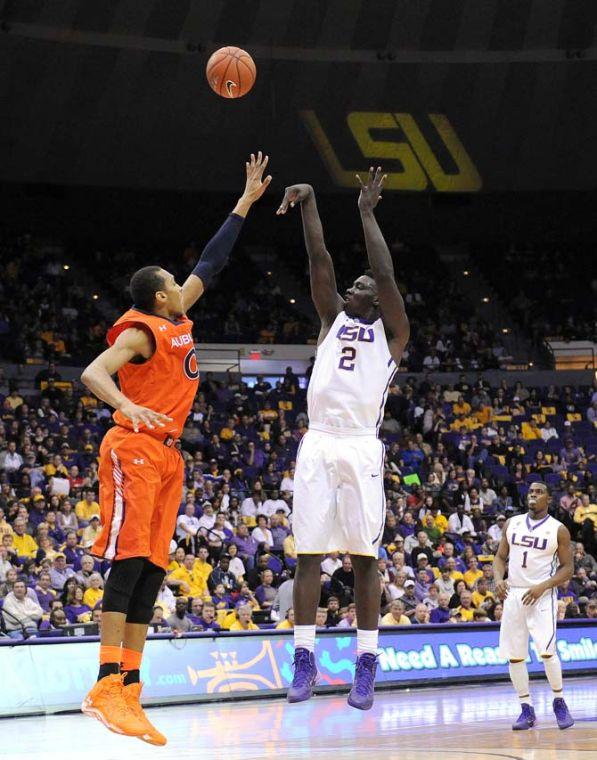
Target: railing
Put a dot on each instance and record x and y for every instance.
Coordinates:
(571, 357)
(218, 359)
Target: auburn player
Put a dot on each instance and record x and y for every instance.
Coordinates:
(141, 470)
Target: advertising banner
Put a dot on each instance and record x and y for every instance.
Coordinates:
(48, 677)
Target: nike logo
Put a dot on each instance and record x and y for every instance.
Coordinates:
(229, 86)
(375, 476)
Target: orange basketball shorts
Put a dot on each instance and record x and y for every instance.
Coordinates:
(140, 492)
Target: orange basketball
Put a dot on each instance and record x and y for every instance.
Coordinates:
(231, 72)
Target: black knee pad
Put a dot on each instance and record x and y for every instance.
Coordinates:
(123, 578)
(140, 609)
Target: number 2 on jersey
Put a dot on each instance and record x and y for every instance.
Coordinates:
(347, 360)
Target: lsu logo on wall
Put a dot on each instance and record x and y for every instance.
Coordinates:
(419, 169)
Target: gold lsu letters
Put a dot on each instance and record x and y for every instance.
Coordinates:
(419, 163)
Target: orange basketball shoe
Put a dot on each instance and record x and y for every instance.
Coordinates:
(107, 703)
(132, 697)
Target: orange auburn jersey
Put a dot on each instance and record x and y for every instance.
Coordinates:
(167, 382)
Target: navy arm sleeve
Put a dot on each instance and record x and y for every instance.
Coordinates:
(215, 254)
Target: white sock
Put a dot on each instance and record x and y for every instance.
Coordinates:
(304, 637)
(367, 641)
(553, 671)
(519, 675)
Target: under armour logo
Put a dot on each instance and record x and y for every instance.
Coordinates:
(138, 461)
(163, 327)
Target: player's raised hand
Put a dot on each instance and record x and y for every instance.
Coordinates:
(292, 195)
(141, 415)
(256, 185)
(501, 589)
(371, 192)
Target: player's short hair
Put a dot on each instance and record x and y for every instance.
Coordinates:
(545, 486)
(369, 273)
(144, 285)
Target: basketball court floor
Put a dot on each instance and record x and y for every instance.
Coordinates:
(471, 722)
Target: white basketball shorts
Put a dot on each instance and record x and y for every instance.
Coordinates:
(339, 502)
(518, 621)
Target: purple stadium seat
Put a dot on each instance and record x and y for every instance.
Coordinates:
(498, 470)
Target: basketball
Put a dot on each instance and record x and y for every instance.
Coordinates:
(231, 72)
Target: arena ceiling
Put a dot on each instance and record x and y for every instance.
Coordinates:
(450, 95)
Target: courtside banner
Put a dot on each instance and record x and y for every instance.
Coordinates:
(55, 674)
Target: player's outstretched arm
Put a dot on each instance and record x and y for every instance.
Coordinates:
(98, 377)
(499, 565)
(321, 267)
(380, 261)
(564, 572)
(215, 254)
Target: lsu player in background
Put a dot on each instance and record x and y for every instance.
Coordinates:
(141, 471)
(339, 500)
(535, 548)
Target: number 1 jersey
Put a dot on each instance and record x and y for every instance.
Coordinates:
(533, 546)
(351, 377)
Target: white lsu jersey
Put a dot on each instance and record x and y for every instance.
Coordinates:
(533, 550)
(352, 373)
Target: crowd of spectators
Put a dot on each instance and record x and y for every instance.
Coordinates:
(53, 312)
(255, 312)
(459, 460)
(555, 291)
(45, 312)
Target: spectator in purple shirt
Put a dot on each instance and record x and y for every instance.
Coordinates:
(72, 552)
(449, 554)
(74, 609)
(54, 531)
(246, 429)
(567, 593)
(60, 572)
(423, 564)
(196, 611)
(407, 526)
(208, 618)
(37, 513)
(279, 533)
(247, 546)
(220, 598)
(44, 591)
(266, 593)
(571, 455)
(422, 584)
(441, 614)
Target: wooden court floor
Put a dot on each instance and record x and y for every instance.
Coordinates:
(472, 723)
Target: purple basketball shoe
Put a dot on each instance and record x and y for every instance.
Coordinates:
(361, 694)
(560, 708)
(305, 676)
(526, 719)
